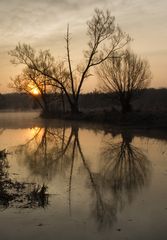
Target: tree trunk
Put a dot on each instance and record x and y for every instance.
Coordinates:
(63, 102)
(44, 98)
(75, 108)
(126, 106)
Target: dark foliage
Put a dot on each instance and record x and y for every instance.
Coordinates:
(150, 100)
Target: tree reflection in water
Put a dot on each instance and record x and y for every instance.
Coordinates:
(45, 153)
(124, 168)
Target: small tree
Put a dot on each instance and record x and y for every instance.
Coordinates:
(105, 39)
(35, 78)
(33, 84)
(125, 76)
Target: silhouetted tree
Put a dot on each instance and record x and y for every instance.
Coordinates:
(125, 76)
(37, 78)
(105, 40)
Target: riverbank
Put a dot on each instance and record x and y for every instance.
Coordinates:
(110, 119)
(115, 118)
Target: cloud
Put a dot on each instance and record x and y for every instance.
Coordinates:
(42, 23)
(31, 20)
(35, 21)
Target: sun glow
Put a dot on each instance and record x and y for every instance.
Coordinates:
(34, 132)
(32, 89)
(35, 91)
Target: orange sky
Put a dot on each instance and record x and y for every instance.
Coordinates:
(43, 24)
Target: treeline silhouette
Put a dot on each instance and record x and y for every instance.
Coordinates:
(152, 100)
(16, 101)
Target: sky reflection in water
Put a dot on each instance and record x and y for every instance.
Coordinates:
(90, 183)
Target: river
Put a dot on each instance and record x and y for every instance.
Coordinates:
(67, 180)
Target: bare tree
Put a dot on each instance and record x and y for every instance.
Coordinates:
(105, 40)
(124, 76)
(33, 84)
(35, 78)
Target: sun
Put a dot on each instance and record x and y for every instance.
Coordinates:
(35, 91)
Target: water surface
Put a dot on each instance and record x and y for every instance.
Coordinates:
(100, 183)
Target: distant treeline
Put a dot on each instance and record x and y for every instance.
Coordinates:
(16, 101)
(147, 100)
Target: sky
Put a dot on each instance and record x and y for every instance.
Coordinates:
(43, 24)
